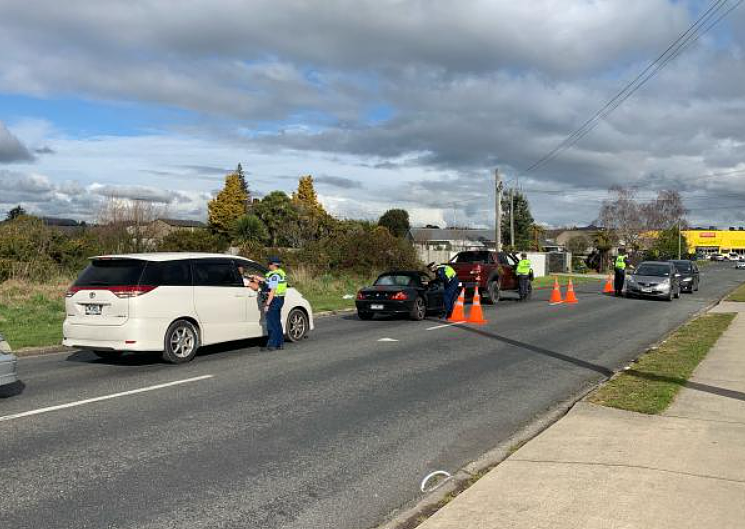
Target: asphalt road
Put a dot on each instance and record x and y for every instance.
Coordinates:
(334, 433)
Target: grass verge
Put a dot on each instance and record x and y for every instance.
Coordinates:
(650, 385)
(738, 295)
(31, 314)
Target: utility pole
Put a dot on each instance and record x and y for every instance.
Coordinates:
(498, 210)
(680, 237)
(512, 218)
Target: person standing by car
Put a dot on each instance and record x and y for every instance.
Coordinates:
(619, 267)
(447, 275)
(524, 271)
(276, 282)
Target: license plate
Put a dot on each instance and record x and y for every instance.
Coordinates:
(376, 307)
(646, 290)
(93, 310)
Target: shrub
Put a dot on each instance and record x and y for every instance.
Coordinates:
(192, 241)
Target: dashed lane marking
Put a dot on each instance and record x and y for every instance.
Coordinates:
(99, 399)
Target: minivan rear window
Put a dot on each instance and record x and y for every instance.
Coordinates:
(111, 272)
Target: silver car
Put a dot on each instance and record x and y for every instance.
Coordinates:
(656, 279)
(8, 363)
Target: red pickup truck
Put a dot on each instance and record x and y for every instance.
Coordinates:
(492, 272)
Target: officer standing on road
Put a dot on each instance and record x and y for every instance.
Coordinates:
(620, 266)
(524, 273)
(449, 278)
(276, 282)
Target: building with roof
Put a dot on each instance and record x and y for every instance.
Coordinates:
(438, 244)
(713, 240)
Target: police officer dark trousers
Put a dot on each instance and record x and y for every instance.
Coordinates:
(620, 272)
(450, 281)
(524, 271)
(276, 280)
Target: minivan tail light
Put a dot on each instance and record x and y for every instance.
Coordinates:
(130, 291)
(120, 291)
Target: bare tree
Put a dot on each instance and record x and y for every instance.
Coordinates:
(127, 223)
(620, 214)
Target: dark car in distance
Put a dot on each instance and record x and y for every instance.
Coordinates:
(689, 275)
(656, 279)
(408, 293)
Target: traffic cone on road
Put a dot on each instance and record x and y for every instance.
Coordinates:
(459, 312)
(608, 288)
(556, 294)
(571, 298)
(477, 315)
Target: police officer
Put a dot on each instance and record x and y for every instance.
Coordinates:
(449, 278)
(619, 267)
(276, 282)
(524, 273)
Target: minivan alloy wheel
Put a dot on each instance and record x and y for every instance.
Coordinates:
(182, 342)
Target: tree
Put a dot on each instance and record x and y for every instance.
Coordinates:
(578, 245)
(126, 224)
(397, 222)
(227, 206)
(192, 241)
(523, 220)
(250, 229)
(244, 185)
(279, 215)
(16, 212)
(313, 221)
(667, 243)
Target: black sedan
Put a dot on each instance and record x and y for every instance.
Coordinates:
(409, 293)
(689, 275)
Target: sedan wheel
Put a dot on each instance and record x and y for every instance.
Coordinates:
(419, 311)
(181, 342)
(298, 325)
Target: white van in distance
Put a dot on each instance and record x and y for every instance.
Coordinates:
(171, 302)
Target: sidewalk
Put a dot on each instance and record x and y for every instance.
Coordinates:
(605, 468)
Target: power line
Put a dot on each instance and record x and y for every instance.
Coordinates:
(692, 34)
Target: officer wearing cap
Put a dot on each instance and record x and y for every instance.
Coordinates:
(276, 283)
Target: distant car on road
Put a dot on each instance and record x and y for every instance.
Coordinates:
(717, 257)
(740, 265)
(689, 275)
(171, 302)
(491, 272)
(658, 279)
(409, 293)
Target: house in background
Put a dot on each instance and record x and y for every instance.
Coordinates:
(435, 244)
(159, 228)
(66, 226)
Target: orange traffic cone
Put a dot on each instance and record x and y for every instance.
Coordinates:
(477, 315)
(459, 312)
(608, 288)
(571, 298)
(555, 294)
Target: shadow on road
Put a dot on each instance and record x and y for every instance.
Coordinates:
(542, 351)
(12, 390)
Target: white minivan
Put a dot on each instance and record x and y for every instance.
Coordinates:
(171, 302)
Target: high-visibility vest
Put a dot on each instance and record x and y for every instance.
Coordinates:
(621, 262)
(281, 289)
(450, 272)
(523, 267)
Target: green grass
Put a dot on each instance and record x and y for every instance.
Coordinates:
(548, 281)
(737, 295)
(326, 292)
(650, 385)
(31, 315)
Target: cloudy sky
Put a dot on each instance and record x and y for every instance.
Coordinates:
(387, 103)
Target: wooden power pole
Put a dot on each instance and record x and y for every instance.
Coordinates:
(512, 218)
(498, 210)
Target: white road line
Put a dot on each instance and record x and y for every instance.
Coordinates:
(104, 397)
(387, 340)
(445, 325)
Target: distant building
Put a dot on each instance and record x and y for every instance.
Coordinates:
(67, 226)
(713, 240)
(159, 228)
(434, 244)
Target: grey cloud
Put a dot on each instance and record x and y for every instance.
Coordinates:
(11, 148)
(44, 150)
(338, 181)
(151, 194)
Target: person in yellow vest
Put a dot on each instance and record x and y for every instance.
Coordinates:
(619, 267)
(447, 275)
(276, 282)
(524, 272)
